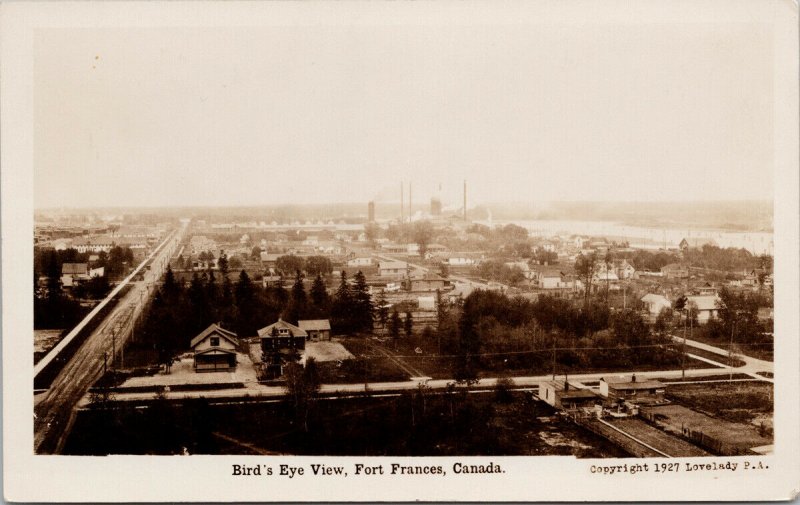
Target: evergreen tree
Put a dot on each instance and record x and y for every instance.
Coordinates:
(319, 297)
(298, 304)
(342, 309)
(170, 287)
(408, 324)
(222, 263)
(197, 300)
(244, 289)
(362, 304)
(394, 325)
(244, 294)
(383, 309)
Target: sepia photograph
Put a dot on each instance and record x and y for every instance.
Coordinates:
(403, 242)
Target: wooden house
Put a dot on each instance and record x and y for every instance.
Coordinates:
(215, 350)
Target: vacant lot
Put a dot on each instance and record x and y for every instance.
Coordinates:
(326, 351)
(733, 401)
(723, 437)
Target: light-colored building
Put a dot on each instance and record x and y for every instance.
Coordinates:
(214, 350)
(655, 303)
(316, 329)
(392, 268)
(562, 394)
(363, 261)
(707, 306)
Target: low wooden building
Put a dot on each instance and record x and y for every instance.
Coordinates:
(563, 395)
(632, 389)
(316, 329)
(215, 350)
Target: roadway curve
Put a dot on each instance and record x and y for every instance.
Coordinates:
(54, 410)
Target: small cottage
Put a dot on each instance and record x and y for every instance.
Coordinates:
(563, 395)
(316, 329)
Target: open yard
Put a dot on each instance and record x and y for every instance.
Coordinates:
(736, 401)
(182, 373)
(326, 351)
(716, 434)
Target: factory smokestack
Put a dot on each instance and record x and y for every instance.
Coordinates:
(401, 201)
(371, 212)
(410, 210)
(465, 199)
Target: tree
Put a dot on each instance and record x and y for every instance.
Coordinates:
(290, 263)
(298, 304)
(585, 268)
(444, 269)
(302, 385)
(423, 233)
(319, 297)
(408, 324)
(372, 232)
(318, 265)
(222, 264)
(255, 253)
(342, 307)
(394, 325)
(362, 304)
(382, 309)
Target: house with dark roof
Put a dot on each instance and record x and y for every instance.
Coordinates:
(215, 350)
(282, 336)
(632, 389)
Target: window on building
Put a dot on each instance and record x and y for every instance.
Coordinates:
(214, 341)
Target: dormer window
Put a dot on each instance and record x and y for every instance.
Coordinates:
(214, 341)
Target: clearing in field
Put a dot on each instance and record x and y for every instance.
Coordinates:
(326, 351)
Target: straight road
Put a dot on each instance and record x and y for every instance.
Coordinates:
(54, 410)
(378, 387)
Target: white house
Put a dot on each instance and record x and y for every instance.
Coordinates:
(655, 303)
(392, 268)
(707, 306)
(460, 261)
(360, 262)
(214, 350)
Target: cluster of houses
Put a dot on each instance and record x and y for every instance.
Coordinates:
(617, 395)
(215, 348)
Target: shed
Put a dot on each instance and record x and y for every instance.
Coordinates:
(317, 329)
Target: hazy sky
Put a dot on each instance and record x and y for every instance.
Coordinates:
(342, 113)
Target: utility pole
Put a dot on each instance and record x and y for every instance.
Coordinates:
(730, 351)
(554, 358)
(683, 350)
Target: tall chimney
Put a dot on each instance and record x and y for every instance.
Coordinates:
(465, 199)
(410, 210)
(401, 201)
